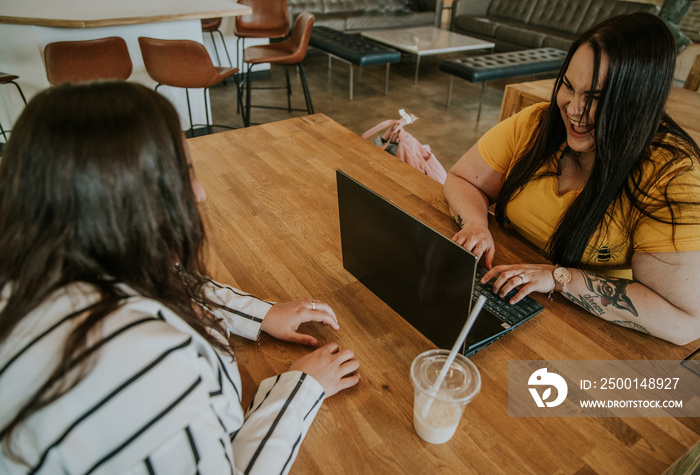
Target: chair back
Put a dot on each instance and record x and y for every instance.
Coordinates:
(211, 24)
(178, 63)
(88, 60)
(270, 19)
(7, 78)
(692, 82)
(301, 34)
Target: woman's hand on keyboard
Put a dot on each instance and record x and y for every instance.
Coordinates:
(529, 277)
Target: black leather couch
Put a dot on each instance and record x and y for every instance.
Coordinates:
(524, 24)
(359, 15)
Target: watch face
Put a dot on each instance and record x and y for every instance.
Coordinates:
(562, 275)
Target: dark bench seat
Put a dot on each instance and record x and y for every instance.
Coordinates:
(501, 66)
(353, 49)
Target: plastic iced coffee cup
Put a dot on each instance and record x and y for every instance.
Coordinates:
(436, 415)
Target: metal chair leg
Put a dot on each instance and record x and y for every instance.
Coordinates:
(352, 80)
(246, 112)
(240, 48)
(216, 50)
(289, 89)
(223, 41)
(2, 131)
(305, 86)
(386, 80)
(481, 100)
(189, 113)
(239, 65)
(449, 92)
(206, 111)
(20, 92)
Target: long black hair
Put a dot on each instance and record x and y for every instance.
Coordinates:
(630, 120)
(95, 187)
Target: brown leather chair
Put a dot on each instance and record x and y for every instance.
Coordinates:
(77, 61)
(211, 26)
(270, 19)
(692, 82)
(185, 64)
(290, 52)
(10, 79)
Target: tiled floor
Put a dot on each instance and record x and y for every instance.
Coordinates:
(449, 132)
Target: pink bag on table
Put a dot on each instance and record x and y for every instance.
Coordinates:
(407, 148)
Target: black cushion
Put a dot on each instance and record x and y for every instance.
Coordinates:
(505, 65)
(353, 48)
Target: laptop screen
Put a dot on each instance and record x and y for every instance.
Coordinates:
(424, 276)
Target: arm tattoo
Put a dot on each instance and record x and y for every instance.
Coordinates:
(611, 290)
(586, 302)
(606, 291)
(458, 219)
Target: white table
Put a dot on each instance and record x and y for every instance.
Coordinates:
(426, 41)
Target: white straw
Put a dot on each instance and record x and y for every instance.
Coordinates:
(453, 353)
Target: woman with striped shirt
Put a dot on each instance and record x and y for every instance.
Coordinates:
(114, 356)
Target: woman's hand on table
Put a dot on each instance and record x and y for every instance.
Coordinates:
(479, 241)
(333, 368)
(528, 277)
(283, 320)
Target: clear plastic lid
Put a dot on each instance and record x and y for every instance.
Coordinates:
(462, 382)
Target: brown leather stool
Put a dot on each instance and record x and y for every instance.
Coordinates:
(211, 26)
(10, 79)
(77, 61)
(289, 52)
(692, 82)
(185, 64)
(270, 19)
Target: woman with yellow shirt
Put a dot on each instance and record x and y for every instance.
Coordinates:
(602, 179)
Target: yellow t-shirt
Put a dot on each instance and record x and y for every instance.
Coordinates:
(537, 209)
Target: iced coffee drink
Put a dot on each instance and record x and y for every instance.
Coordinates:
(436, 414)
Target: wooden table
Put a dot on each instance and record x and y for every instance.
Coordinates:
(683, 105)
(272, 222)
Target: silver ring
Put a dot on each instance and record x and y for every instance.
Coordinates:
(313, 305)
(522, 277)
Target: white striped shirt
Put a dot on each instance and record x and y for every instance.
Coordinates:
(158, 399)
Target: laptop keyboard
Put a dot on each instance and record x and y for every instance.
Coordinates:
(510, 314)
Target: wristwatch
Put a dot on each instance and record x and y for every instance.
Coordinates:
(562, 276)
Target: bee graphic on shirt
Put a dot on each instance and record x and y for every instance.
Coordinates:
(605, 253)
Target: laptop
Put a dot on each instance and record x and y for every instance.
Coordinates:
(422, 275)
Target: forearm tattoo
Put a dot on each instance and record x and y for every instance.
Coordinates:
(606, 291)
(458, 219)
(587, 302)
(611, 291)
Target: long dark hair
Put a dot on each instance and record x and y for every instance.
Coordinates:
(95, 187)
(629, 121)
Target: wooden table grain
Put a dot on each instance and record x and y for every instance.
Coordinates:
(272, 223)
(683, 105)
